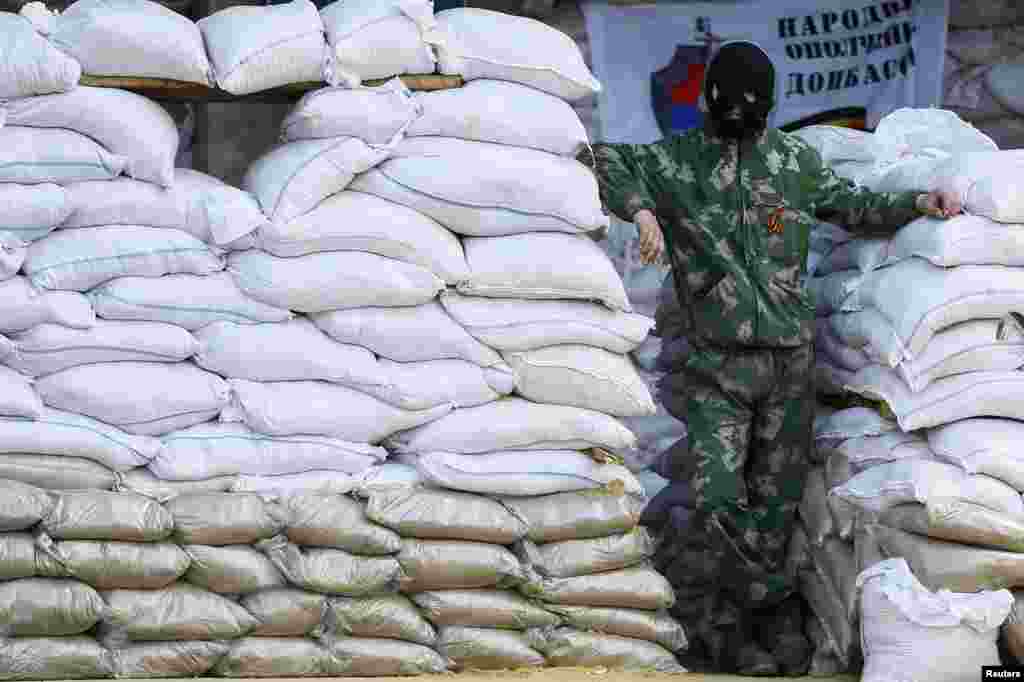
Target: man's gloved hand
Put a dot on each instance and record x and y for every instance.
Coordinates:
(652, 243)
(939, 204)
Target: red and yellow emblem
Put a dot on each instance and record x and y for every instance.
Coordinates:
(775, 224)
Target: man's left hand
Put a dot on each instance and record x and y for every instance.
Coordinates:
(939, 204)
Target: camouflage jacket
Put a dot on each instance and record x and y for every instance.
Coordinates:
(737, 220)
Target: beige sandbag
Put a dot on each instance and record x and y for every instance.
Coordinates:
(639, 587)
(47, 607)
(178, 613)
(159, 660)
(939, 564)
(22, 505)
(53, 658)
(339, 522)
(332, 571)
(828, 606)
(102, 515)
(652, 626)
(285, 612)
(456, 564)
(223, 519)
(142, 482)
(958, 521)
(56, 472)
(390, 616)
(567, 646)
(112, 565)
(276, 657)
(571, 558)
(231, 570)
(486, 649)
(367, 657)
(17, 556)
(814, 509)
(577, 515)
(483, 608)
(433, 514)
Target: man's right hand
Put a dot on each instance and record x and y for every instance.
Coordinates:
(652, 242)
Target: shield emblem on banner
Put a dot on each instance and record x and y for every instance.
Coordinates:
(676, 90)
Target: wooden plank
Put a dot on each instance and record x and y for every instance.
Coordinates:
(165, 89)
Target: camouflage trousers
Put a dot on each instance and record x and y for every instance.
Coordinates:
(749, 414)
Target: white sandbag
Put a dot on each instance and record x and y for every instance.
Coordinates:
(443, 515)
(902, 618)
(522, 472)
(515, 424)
(258, 48)
(374, 657)
(178, 613)
(35, 156)
(839, 143)
(391, 616)
(74, 435)
(292, 178)
(831, 291)
(231, 570)
(205, 207)
(79, 260)
(502, 113)
(353, 221)
(287, 351)
(407, 334)
(870, 331)
(56, 472)
(373, 114)
(54, 658)
(17, 396)
(124, 123)
(284, 485)
(973, 346)
(371, 39)
(145, 398)
(860, 254)
(48, 348)
(852, 422)
(479, 43)
(568, 646)
(830, 347)
(532, 266)
(482, 189)
(920, 480)
(322, 520)
(962, 240)
(976, 394)
(30, 212)
(31, 65)
(102, 515)
(582, 376)
(456, 565)
(982, 446)
(423, 385)
(331, 281)
(289, 408)
(210, 450)
(132, 38)
(475, 649)
(987, 182)
(864, 452)
(12, 255)
(167, 659)
(387, 476)
(22, 307)
(219, 519)
(141, 481)
(285, 612)
(958, 521)
(188, 301)
(332, 571)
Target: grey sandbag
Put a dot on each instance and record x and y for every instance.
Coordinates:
(958, 521)
(53, 658)
(390, 616)
(571, 558)
(432, 514)
(22, 506)
(486, 649)
(814, 511)
(566, 646)
(104, 515)
(48, 607)
(56, 472)
(365, 657)
(141, 481)
(483, 608)
(828, 606)
(332, 571)
(838, 470)
(177, 613)
(17, 556)
(238, 569)
(338, 522)
(112, 565)
(576, 515)
(223, 519)
(276, 657)
(156, 660)
(638, 587)
(285, 612)
(456, 564)
(652, 626)
(837, 561)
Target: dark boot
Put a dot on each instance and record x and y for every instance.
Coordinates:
(780, 630)
(743, 655)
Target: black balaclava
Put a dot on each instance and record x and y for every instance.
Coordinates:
(740, 90)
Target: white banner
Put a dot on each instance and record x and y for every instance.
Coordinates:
(871, 55)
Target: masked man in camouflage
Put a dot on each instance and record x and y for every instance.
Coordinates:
(734, 203)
